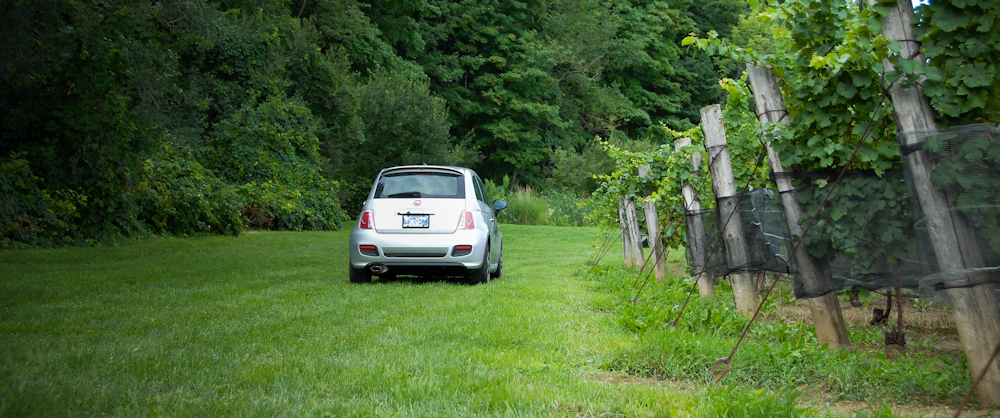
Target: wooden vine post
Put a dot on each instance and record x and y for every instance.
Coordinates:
(977, 315)
(626, 237)
(816, 278)
(653, 228)
(697, 241)
(744, 290)
(631, 240)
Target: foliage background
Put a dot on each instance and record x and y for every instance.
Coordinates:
(122, 118)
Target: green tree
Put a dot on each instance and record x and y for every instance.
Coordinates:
(402, 124)
(113, 107)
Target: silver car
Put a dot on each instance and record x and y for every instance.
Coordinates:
(427, 220)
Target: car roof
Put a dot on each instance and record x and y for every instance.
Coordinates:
(404, 168)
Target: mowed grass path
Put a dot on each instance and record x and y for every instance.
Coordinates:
(267, 324)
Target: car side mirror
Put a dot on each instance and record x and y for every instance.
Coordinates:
(499, 205)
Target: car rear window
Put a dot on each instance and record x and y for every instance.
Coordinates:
(420, 185)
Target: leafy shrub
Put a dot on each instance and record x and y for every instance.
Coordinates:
(272, 153)
(497, 191)
(180, 196)
(575, 171)
(273, 205)
(30, 214)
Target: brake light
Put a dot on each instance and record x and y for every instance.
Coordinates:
(466, 221)
(367, 220)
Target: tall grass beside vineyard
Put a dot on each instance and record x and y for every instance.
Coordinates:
(527, 206)
(782, 356)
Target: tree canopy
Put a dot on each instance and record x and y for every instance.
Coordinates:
(126, 117)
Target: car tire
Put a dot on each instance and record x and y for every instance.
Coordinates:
(359, 276)
(482, 276)
(499, 272)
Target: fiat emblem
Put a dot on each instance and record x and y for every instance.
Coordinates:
(416, 203)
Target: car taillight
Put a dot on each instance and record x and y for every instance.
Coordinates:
(367, 220)
(466, 221)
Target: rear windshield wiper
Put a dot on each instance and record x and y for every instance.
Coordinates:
(405, 194)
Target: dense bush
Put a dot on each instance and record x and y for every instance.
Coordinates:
(272, 153)
(180, 196)
(30, 214)
(577, 171)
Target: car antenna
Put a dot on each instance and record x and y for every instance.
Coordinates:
(423, 156)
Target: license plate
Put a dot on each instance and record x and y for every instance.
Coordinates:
(416, 221)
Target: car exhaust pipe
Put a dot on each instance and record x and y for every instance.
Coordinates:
(378, 269)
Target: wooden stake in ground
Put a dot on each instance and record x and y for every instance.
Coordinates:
(977, 315)
(630, 231)
(744, 291)
(815, 277)
(626, 238)
(697, 242)
(653, 228)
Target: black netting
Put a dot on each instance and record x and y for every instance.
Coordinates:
(765, 233)
(863, 236)
(768, 240)
(875, 231)
(702, 252)
(964, 170)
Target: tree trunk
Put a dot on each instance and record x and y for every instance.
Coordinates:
(977, 314)
(816, 279)
(697, 242)
(744, 291)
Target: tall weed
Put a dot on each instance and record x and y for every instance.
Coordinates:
(529, 207)
(729, 401)
(568, 208)
(526, 207)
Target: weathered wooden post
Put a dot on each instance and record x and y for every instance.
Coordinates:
(697, 242)
(626, 237)
(630, 232)
(816, 278)
(977, 315)
(744, 291)
(653, 228)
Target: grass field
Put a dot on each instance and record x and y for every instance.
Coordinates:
(267, 324)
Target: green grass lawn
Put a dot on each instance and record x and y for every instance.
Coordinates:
(267, 324)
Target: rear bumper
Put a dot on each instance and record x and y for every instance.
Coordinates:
(425, 269)
(419, 253)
